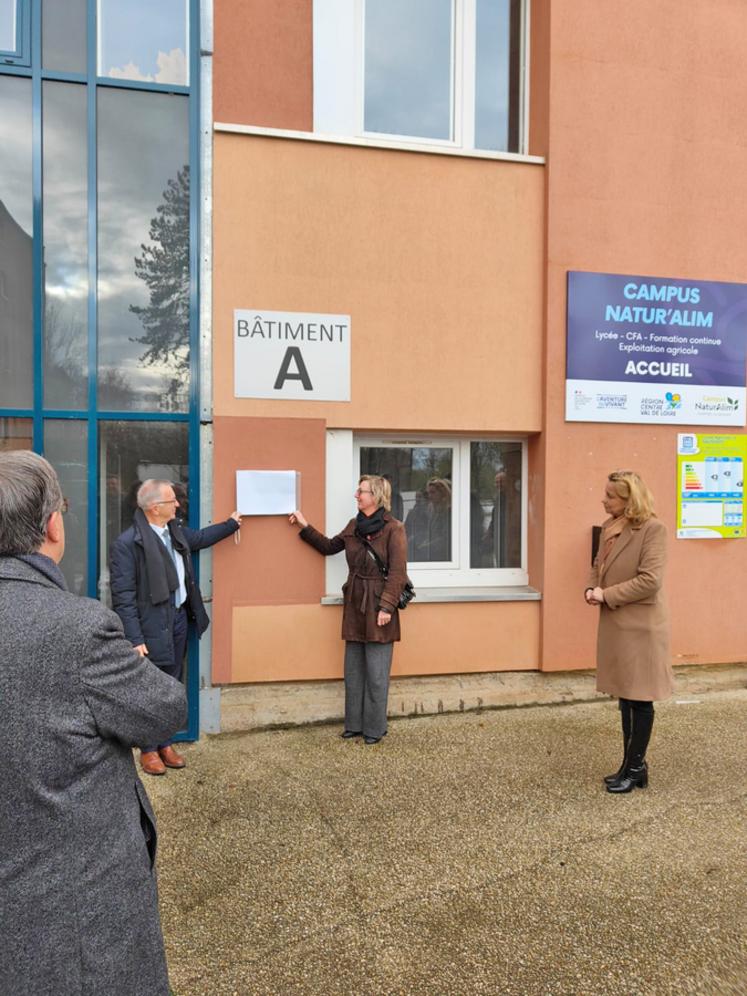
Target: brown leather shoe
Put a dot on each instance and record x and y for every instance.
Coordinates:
(170, 758)
(151, 763)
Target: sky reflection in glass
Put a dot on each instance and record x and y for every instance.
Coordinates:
(7, 25)
(65, 246)
(142, 40)
(64, 32)
(492, 74)
(16, 251)
(408, 68)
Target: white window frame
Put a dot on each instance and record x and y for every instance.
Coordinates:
(339, 74)
(343, 471)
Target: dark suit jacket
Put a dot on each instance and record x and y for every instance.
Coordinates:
(143, 621)
(77, 833)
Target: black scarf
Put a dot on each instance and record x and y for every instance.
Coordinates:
(366, 525)
(160, 568)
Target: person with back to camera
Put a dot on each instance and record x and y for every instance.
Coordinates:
(370, 620)
(633, 657)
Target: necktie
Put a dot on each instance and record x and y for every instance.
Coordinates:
(181, 592)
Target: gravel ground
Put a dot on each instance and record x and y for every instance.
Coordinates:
(472, 853)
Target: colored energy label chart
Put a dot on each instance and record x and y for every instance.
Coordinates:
(710, 486)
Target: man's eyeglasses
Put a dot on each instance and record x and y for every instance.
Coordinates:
(167, 501)
(360, 491)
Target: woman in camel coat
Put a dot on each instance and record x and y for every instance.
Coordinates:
(633, 657)
(370, 620)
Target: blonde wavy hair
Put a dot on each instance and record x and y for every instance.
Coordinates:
(634, 491)
(381, 490)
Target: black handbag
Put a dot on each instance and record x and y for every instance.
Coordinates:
(408, 592)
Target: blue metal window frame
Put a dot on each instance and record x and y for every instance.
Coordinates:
(32, 69)
(21, 54)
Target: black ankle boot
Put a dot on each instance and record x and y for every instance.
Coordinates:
(632, 778)
(619, 774)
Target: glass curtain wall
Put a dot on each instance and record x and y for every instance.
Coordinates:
(98, 256)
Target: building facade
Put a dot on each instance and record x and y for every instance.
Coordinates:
(421, 177)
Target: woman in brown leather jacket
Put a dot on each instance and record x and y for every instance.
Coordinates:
(370, 620)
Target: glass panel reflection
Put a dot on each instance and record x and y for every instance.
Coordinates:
(16, 256)
(421, 495)
(8, 26)
(408, 68)
(143, 234)
(142, 40)
(66, 448)
(130, 453)
(492, 74)
(64, 33)
(65, 246)
(16, 434)
(495, 504)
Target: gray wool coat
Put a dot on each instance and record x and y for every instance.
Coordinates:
(79, 913)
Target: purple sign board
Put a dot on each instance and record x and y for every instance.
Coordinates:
(655, 349)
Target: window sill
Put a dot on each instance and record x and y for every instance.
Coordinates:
(372, 143)
(514, 593)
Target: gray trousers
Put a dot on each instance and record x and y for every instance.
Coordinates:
(367, 667)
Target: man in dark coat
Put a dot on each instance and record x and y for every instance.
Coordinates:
(77, 833)
(155, 594)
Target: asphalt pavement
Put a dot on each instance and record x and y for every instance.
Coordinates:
(469, 853)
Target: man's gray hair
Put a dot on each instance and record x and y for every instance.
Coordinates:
(149, 492)
(29, 494)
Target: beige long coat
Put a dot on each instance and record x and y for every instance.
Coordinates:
(633, 656)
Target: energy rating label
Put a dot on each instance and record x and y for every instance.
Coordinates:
(710, 486)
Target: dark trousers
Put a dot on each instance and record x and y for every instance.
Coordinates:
(367, 667)
(179, 635)
(637, 723)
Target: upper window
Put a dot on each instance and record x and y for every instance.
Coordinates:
(442, 72)
(14, 32)
(145, 41)
(461, 501)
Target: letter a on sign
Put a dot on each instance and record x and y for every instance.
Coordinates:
(293, 355)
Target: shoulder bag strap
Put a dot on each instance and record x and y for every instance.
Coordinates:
(379, 562)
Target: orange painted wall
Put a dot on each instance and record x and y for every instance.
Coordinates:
(268, 621)
(270, 566)
(262, 63)
(645, 176)
(289, 643)
(437, 259)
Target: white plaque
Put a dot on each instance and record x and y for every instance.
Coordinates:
(267, 492)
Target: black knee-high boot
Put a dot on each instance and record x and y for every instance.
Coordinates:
(636, 770)
(625, 717)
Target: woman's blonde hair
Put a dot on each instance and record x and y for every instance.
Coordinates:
(381, 490)
(634, 491)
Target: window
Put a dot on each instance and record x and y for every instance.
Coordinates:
(461, 500)
(144, 41)
(14, 32)
(441, 72)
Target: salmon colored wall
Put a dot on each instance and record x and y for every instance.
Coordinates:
(268, 621)
(288, 643)
(437, 259)
(645, 176)
(539, 77)
(270, 565)
(262, 66)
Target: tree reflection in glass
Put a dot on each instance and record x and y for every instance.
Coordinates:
(143, 238)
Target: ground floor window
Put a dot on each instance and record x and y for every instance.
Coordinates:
(462, 501)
